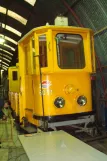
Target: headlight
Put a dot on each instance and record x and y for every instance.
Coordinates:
(82, 100)
(59, 102)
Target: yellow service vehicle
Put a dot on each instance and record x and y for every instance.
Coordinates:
(56, 63)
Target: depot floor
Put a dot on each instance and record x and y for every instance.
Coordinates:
(12, 150)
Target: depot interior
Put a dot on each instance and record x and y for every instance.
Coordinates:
(17, 18)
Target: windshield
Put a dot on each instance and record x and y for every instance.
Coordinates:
(70, 51)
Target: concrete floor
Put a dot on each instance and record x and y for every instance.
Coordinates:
(12, 150)
(100, 145)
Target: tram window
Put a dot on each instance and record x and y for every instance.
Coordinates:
(43, 51)
(14, 75)
(26, 50)
(33, 53)
(70, 51)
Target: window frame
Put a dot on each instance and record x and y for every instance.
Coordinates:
(58, 57)
(14, 79)
(43, 67)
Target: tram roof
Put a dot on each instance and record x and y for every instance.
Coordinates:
(53, 27)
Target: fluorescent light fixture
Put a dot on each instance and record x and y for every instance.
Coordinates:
(5, 63)
(17, 17)
(11, 29)
(3, 10)
(31, 2)
(6, 59)
(4, 68)
(6, 56)
(7, 52)
(13, 15)
(3, 25)
(0, 60)
(2, 40)
(1, 57)
(11, 40)
(9, 47)
(1, 35)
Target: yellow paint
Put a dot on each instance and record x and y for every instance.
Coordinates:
(14, 88)
(13, 84)
(66, 83)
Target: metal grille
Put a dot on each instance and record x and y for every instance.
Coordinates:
(93, 14)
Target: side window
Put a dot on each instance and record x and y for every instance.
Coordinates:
(14, 75)
(43, 50)
(27, 65)
(33, 53)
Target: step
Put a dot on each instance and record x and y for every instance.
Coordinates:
(29, 129)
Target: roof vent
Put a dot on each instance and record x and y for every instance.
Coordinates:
(61, 21)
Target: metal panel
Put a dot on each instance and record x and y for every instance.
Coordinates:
(93, 14)
(58, 146)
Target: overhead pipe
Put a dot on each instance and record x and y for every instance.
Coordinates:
(73, 13)
(100, 31)
(97, 59)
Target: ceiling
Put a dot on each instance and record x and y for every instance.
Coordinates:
(17, 17)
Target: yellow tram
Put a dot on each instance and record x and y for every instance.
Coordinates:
(55, 64)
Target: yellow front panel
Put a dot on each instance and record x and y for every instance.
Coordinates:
(61, 87)
(56, 82)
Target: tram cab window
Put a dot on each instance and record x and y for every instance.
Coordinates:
(14, 75)
(43, 51)
(70, 51)
(27, 62)
(33, 52)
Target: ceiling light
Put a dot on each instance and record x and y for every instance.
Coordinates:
(6, 56)
(4, 67)
(6, 59)
(2, 40)
(5, 63)
(8, 52)
(13, 15)
(3, 58)
(11, 29)
(9, 47)
(3, 10)
(11, 40)
(31, 2)
(17, 17)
